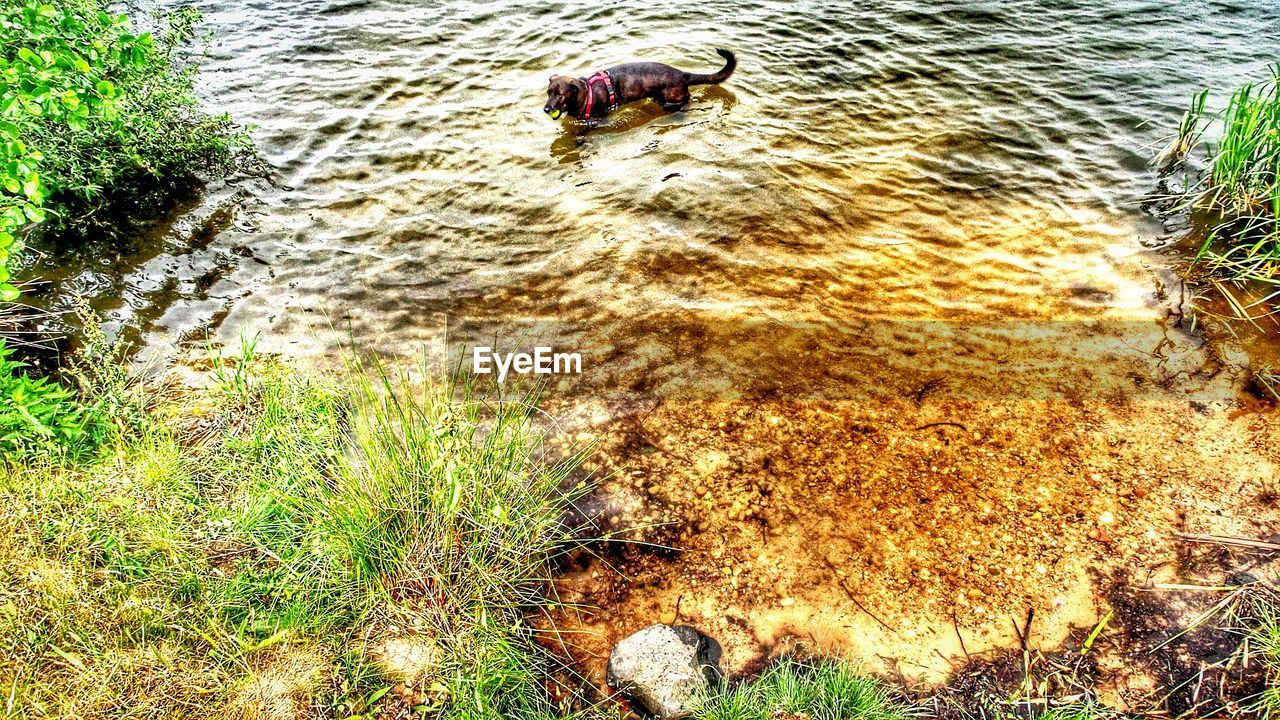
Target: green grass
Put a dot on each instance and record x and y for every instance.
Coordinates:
(1256, 616)
(282, 545)
(821, 690)
(1240, 185)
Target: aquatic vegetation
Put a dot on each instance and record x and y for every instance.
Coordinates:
(1240, 185)
(284, 541)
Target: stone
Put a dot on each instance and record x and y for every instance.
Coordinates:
(663, 668)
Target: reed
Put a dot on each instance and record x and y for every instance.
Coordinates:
(1239, 188)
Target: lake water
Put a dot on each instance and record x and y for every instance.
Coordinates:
(965, 162)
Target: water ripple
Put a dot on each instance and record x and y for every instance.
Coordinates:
(902, 158)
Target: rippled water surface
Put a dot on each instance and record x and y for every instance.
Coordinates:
(897, 160)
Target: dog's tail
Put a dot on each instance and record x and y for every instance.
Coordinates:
(716, 77)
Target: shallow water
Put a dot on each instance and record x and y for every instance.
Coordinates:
(964, 162)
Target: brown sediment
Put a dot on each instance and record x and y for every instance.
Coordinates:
(1162, 649)
(914, 526)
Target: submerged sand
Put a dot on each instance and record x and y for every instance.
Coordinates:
(916, 522)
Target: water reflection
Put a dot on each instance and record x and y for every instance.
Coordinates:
(896, 161)
(713, 100)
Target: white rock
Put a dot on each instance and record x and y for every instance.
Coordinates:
(664, 668)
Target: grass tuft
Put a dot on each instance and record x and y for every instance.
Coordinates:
(279, 544)
(1257, 617)
(1239, 189)
(821, 690)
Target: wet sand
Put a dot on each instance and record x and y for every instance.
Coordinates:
(913, 525)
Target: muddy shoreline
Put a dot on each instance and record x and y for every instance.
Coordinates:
(912, 526)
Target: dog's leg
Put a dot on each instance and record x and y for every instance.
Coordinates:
(674, 98)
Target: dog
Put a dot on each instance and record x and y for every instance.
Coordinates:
(602, 93)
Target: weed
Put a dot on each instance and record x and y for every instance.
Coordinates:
(39, 416)
(232, 376)
(822, 690)
(1240, 188)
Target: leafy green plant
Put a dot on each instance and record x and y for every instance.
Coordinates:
(38, 415)
(91, 108)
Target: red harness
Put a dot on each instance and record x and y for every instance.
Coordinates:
(600, 77)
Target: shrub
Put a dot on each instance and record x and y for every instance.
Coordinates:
(38, 415)
(91, 111)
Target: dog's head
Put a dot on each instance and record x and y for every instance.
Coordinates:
(562, 97)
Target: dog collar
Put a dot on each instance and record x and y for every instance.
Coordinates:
(598, 78)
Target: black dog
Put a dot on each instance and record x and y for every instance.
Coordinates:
(602, 93)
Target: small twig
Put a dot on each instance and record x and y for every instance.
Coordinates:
(1229, 541)
(864, 609)
(942, 424)
(945, 659)
(956, 624)
(925, 388)
(1025, 635)
(854, 599)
